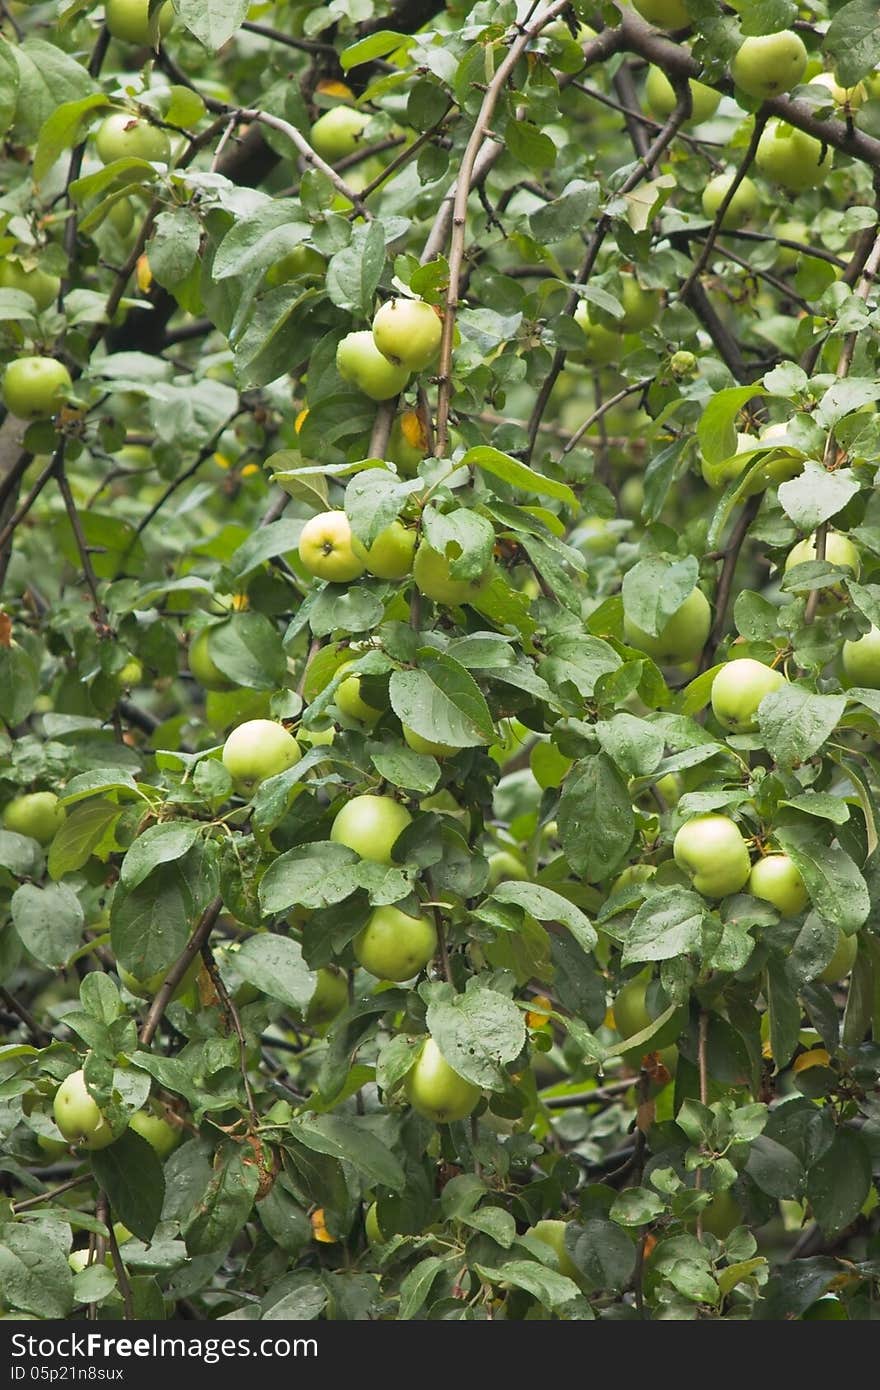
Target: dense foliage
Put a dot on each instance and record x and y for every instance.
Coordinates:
(439, 659)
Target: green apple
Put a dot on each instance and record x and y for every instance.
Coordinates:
(326, 548)
(786, 256)
(78, 1115)
(431, 571)
(202, 665)
(394, 945)
(793, 159)
(861, 660)
(122, 135)
(827, 1309)
(641, 308)
(742, 207)
(256, 750)
(42, 287)
(149, 988)
(504, 867)
(683, 637)
(601, 345)
(552, 1233)
(634, 874)
(737, 691)
(408, 443)
(776, 880)
(408, 333)
(372, 1229)
(436, 1090)
(359, 361)
(714, 855)
(427, 745)
(666, 14)
(52, 1148)
(849, 99)
(721, 1215)
(839, 550)
(129, 20)
(162, 1137)
(330, 996)
(391, 554)
(630, 1010)
(39, 815)
(338, 132)
(662, 101)
(35, 387)
(769, 64)
(302, 260)
(841, 963)
(350, 701)
(723, 471)
(370, 825)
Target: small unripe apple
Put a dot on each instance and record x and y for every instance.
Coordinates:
(408, 333)
(714, 855)
(203, 666)
(842, 962)
(326, 548)
(394, 945)
(743, 205)
(350, 701)
(302, 260)
(391, 554)
(861, 660)
(330, 996)
(359, 361)
(792, 158)
(129, 20)
(123, 136)
(720, 1216)
(682, 638)
(641, 308)
(666, 14)
(601, 345)
(78, 1115)
(162, 1137)
(338, 132)
(552, 1233)
(39, 815)
(839, 550)
(504, 867)
(431, 571)
(633, 874)
(408, 443)
(370, 825)
(849, 99)
(737, 691)
(427, 745)
(767, 65)
(776, 880)
(35, 387)
(39, 284)
(436, 1090)
(256, 750)
(662, 100)
(372, 1229)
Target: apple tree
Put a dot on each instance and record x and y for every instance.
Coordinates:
(439, 659)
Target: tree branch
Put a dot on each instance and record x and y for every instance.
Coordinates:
(179, 969)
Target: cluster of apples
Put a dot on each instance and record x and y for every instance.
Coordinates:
(82, 1122)
(405, 338)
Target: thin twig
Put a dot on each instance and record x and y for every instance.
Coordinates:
(742, 170)
(228, 1006)
(30, 1202)
(725, 580)
(118, 1267)
(179, 969)
(602, 409)
(40, 1034)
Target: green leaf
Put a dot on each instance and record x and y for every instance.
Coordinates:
(816, 494)
(257, 241)
(441, 701)
(839, 1182)
(416, 1286)
(312, 876)
(478, 1032)
(350, 1137)
(49, 921)
(150, 924)
(774, 1169)
(19, 684)
(158, 844)
(212, 22)
(374, 498)
(530, 145)
(48, 78)
(795, 722)
(595, 817)
(278, 538)
(61, 131)
(603, 1253)
(224, 1207)
(376, 45)
(519, 475)
(275, 965)
(552, 1290)
(247, 648)
(353, 274)
(655, 588)
(562, 216)
(836, 887)
(465, 537)
(637, 1206)
(785, 1014)
(80, 834)
(34, 1273)
(132, 1177)
(716, 430)
(547, 906)
(173, 248)
(853, 41)
(668, 924)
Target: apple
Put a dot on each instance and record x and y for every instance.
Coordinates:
(370, 825)
(634, 874)
(408, 443)
(743, 205)
(359, 361)
(131, 674)
(668, 14)
(39, 815)
(769, 64)
(394, 945)
(721, 1215)
(552, 1233)
(391, 554)
(42, 287)
(302, 260)
(841, 963)
(149, 988)
(202, 665)
(714, 855)
(839, 550)
(256, 750)
(129, 20)
(602, 345)
(162, 1137)
(826, 1309)
(34, 387)
(121, 218)
(330, 996)
(326, 548)
(861, 660)
(641, 308)
(629, 1008)
(338, 132)
(848, 98)
(737, 691)
(408, 333)
(372, 1229)
(436, 1090)
(682, 638)
(78, 1115)
(122, 135)
(52, 1148)
(776, 880)
(427, 745)
(349, 700)
(786, 256)
(431, 571)
(662, 100)
(504, 867)
(792, 158)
